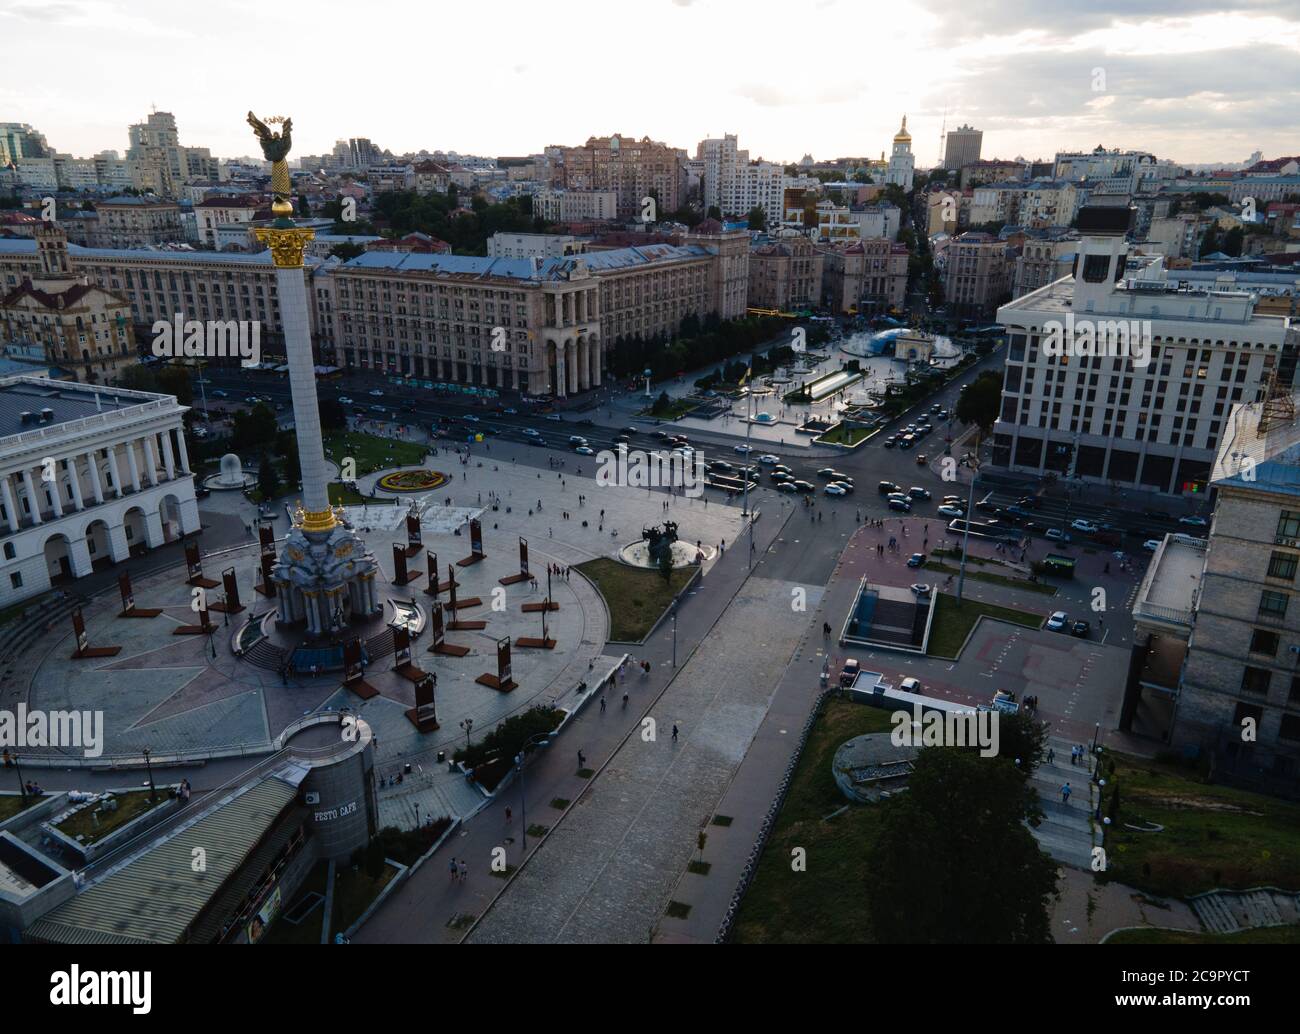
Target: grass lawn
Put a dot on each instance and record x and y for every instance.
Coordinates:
(129, 806)
(372, 452)
(345, 495)
(1264, 935)
(12, 804)
(843, 435)
(996, 579)
(1214, 836)
(953, 622)
(636, 596)
(678, 407)
(308, 931)
(820, 905)
(353, 893)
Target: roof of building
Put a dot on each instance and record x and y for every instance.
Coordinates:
(524, 269)
(26, 245)
(68, 400)
(1269, 462)
(156, 896)
(137, 202)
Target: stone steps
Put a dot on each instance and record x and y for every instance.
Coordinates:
(1227, 911)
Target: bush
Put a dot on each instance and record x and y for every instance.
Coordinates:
(508, 738)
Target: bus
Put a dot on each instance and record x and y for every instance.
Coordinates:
(986, 529)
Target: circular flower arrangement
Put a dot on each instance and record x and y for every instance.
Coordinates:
(412, 480)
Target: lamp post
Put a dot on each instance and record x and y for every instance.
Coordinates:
(541, 739)
(149, 768)
(22, 787)
(467, 724)
(970, 508)
(674, 633)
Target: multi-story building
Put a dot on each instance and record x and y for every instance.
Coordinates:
(863, 276)
(1106, 172)
(977, 274)
(1179, 236)
(134, 222)
(533, 245)
(991, 171)
(81, 328)
(165, 165)
(838, 222)
(1042, 261)
(633, 169)
(214, 212)
(19, 140)
(1105, 415)
(575, 206)
(902, 164)
(86, 474)
(736, 186)
(1216, 638)
(785, 274)
(962, 146)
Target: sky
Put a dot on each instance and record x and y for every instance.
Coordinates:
(1195, 81)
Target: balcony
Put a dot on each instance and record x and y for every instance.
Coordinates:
(1170, 591)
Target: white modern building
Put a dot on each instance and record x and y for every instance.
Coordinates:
(533, 245)
(1099, 413)
(88, 476)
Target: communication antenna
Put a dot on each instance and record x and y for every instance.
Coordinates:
(943, 136)
(1278, 409)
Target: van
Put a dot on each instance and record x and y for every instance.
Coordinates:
(908, 440)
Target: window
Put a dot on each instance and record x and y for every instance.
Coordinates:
(9, 551)
(1288, 525)
(1264, 642)
(1273, 604)
(1256, 680)
(16, 580)
(1283, 565)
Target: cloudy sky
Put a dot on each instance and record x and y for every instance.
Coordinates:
(1192, 80)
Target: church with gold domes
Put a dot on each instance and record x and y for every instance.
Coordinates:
(901, 162)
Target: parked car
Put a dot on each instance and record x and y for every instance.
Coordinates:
(916, 560)
(1084, 526)
(951, 511)
(834, 489)
(891, 441)
(786, 486)
(1195, 522)
(1057, 621)
(1151, 545)
(885, 487)
(828, 472)
(919, 493)
(804, 486)
(1080, 629)
(901, 505)
(1057, 535)
(910, 685)
(782, 468)
(846, 485)
(780, 476)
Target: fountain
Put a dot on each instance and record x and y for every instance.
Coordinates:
(655, 542)
(232, 475)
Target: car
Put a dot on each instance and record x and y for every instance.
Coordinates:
(921, 461)
(804, 486)
(846, 485)
(901, 505)
(786, 486)
(834, 489)
(891, 441)
(661, 434)
(585, 450)
(768, 460)
(378, 409)
(955, 499)
(252, 400)
(219, 394)
(1158, 515)
(375, 393)
(1029, 502)
(1087, 527)
(1018, 512)
(827, 472)
(1080, 629)
(779, 476)
(919, 493)
(720, 465)
(1195, 522)
(510, 411)
(743, 450)
(781, 468)
(921, 590)
(943, 414)
(885, 487)
(577, 439)
(553, 416)
(623, 439)
(849, 673)
(936, 407)
(1057, 535)
(1151, 545)
(681, 439)
(470, 418)
(910, 685)
(344, 400)
(532, 432)
(916, 560)
(536, 441)
(1057, 621)
(951, 511)
(631, 430)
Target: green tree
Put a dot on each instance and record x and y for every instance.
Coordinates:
(253, 428)
(757, 218)
(714, 213)
(662, 403)
(333, 417)
(347, 250)
(952, 861)
(981, 402)
(175, 380)
(304, 209)
(268, 481)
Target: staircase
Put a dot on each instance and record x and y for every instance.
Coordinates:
(1228, 911)
(265, 654)
(1066, 831)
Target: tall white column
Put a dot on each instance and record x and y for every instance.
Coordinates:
(56, 493)
(559, 370)
(168, 456)
(151, 458)
(573, 367)
(96, 485)
(7, 497)
(185, 452)
(302, 384)
(30, 491)
(118, 488)
(134, 466)
(595, 364)
(74, 483)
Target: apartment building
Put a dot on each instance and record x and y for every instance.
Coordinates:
(575, 206)
(863, 276)
(990, 171)
(1216, 637)
(962, 146)
(215, 212)
(1109, 417)
(533, 245)
(632, 169)
(1043, 260)
(977, 274)
(135, 222)
(785, 274)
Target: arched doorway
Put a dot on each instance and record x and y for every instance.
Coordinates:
(99, 544)
(58, 558)
(137, 534)
(169, 512)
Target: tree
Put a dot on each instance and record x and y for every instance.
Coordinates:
(253, 428)
(304, 209)
(175, 380)
(666, 565)
(757, 218)
(714, 213)
(953, 862)
(333, 417)
(662, 403)
(347, 250)
(981, 402)
(268, 481)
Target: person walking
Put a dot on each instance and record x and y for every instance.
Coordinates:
(464, 870)
(1065, 794)
(1051, 755)
(674, 732)
(582, 759)
(509, 814)
(452, 866)
(602, 705)
(625, 701)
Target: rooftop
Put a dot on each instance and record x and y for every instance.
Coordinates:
(1172, 585)
(67, 400)
(1267, 463)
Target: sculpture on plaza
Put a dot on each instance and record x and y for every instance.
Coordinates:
(660, 542)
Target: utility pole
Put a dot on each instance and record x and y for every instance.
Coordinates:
(970, 508)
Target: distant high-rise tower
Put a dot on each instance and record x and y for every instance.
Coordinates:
(962, 147)
(901, 162)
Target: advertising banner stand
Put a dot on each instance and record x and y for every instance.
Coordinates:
(502, 680)
(84, 651)
(129, 609)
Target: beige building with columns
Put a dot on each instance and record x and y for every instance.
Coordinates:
(88, 476)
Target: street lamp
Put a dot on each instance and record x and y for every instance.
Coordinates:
(149, 768)
(22, 787)
(674, 633)
(467, 724)
(541, 739)
(970, 510)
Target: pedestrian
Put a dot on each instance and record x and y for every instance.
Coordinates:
(625, 701)
(509, 814)
(674, 732)
(1051, 755)
(582, 760)
(1065, 794)
(464, 870)
(452, 867)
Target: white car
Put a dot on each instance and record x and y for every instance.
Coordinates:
(532, 432)
(1058, 621)
(553, 416)
(743, 449)
(1087, 527)
(834, 489)
(344, 400)
(1195, 522)
(910, 685)
(577, 439)
(768, 460)
(585, 450)
(375, 393)
(951, 511)
(1151, 545)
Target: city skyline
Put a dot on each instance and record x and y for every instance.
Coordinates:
(1035, 79)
